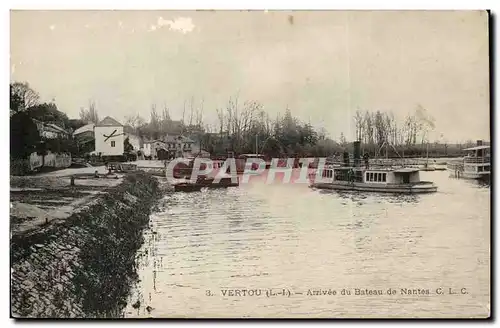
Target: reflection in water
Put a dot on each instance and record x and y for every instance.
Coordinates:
(290, 236)
(382, 197)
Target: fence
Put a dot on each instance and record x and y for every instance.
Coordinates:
(54, 160)
(477, 160)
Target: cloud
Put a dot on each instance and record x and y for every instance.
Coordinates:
(180, 24)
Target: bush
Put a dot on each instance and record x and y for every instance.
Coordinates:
(19, 167)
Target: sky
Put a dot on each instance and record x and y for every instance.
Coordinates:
(322, 65)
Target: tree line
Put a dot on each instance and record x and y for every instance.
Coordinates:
(242, 127)
(382, 134)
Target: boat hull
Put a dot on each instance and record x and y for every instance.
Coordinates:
(426, 187)
(470, 175)
(187, 187)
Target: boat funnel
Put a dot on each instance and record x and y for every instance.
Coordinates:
(346, 158)
(479, 152)
(357, 153)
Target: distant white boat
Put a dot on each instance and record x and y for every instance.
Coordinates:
(377, 178)
(383, 179)
(476, 165)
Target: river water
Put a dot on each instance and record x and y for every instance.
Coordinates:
(287, 243)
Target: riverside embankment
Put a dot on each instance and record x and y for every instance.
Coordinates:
(83, 266)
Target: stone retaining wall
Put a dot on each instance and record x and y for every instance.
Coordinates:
(84, 266)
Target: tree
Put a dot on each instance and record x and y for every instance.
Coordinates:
(127, 146)
(425, 122)
(22, 96)
(24, 135)
(74, 124)
(90, 115)
(15, 101)
(49, 113)
(343, 141)
(358, 121)
(155, 120)
(135, 121)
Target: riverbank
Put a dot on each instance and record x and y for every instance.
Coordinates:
(38, 200)
(83, 266)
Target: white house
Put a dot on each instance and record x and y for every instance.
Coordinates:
(109, 137)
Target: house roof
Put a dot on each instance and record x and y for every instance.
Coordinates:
(50, 126)
(171, 138)
(153, 141)
(57, 128)
(109, 121)
(85, 128)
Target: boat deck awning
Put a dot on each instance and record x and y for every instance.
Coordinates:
(477, 148)
(406, 170)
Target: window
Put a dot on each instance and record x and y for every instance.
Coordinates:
(379, 177)
(112, 143)
(371, 176)
(384, 177)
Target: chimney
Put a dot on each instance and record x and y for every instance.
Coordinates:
(479, 142)
(346, 158)
(357, 153)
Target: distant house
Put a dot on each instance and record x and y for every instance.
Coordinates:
(170, 146)
(84, 132)
(157, 149)
(179, 145)
(84, 137)
(50, 130)
(109, 137)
